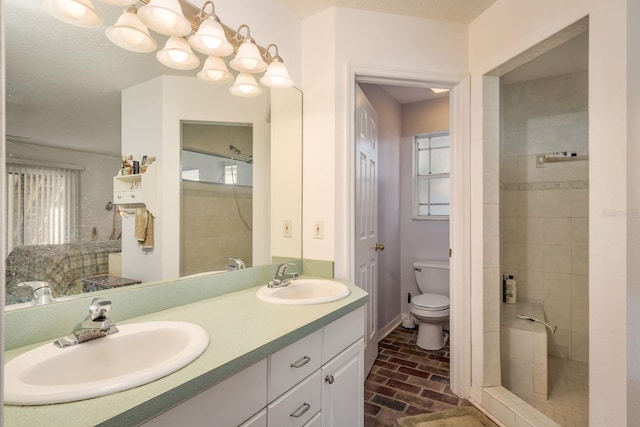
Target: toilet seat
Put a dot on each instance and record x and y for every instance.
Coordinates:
(430, 302)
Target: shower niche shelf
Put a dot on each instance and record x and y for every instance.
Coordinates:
(132, 191)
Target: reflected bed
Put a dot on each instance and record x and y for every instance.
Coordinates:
(61, 265)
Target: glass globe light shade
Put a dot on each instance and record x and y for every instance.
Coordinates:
(165, 17)
(131, 34)
(215, 70)
(276, 75)
(248, 59)
(75, 12)
(178, 55)
(246, 86)
(210, 38)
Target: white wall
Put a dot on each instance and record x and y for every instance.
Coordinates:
(389, 128)
(502, 32)
(333, 41)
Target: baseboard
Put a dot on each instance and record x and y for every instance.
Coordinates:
(389, 327)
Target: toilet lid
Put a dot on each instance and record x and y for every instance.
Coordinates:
(431, 301)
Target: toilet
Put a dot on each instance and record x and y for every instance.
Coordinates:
(431, 307)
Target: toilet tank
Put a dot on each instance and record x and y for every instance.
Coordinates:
(432, 276)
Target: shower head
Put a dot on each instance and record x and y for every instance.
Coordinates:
(234, 149)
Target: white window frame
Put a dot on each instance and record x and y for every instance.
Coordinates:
(417, 178)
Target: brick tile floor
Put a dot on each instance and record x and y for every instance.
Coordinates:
(407, 380)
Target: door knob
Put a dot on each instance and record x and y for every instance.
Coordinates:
(379, 247)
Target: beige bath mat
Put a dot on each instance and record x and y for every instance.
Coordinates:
(457, 417)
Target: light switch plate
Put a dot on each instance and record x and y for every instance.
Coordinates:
(286, 228)
(318, 229)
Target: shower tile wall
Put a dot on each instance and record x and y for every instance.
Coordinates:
(544, 210)
(212, 230)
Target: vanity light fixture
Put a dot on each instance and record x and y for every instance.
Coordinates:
(165, 17)
(75, 12)
(130, 33)
(120, 2)
(177, 54)
(277, 74)
(438, 90)
(248, 58)
(215, 70)
(245, 86)
(210, 38)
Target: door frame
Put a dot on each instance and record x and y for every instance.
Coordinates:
(460, 218)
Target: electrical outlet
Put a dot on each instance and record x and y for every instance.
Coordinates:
(286, 228)
(318, 229)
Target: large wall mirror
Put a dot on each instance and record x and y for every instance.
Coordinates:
(74, 105)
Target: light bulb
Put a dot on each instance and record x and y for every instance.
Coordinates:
(132, 36)
(72, 8)
(215, 74)
(211, 42)
(178, 55)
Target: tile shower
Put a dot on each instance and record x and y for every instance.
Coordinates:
(544, 215)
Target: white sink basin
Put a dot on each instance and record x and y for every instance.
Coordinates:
(138, 354)
(305, 291)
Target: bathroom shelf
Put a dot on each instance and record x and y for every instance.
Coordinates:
(131, 191)
(541, 159)
(565, 159)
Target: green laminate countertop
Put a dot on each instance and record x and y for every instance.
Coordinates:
(242, 330)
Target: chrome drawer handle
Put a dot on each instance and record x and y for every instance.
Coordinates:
(329, 379)
(301, 410)
(300, 363)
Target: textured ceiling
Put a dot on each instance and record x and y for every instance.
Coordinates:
(463, 11)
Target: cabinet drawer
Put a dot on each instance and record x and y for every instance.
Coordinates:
(341, 333)
(227, 403)
(293, 363)
(259, 420)
(315, 421)
(128, 197)
(298, 405)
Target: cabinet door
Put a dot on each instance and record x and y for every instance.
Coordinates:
(343, 389)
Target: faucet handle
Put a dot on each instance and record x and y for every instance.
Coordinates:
(99, 309)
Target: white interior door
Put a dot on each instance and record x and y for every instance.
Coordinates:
(366, 219)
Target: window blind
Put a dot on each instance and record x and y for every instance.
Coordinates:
(42, 205)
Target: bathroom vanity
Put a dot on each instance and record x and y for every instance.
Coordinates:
(266, 365)
(310, 382)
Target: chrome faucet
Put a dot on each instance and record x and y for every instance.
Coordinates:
(237, 264)
(96, 325)
(282, 278)
(41, 292)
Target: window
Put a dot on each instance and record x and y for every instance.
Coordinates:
(432, 182)
(42, 205)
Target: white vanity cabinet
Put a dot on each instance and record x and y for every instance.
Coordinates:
(316, 381)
